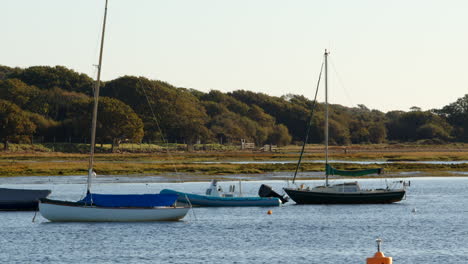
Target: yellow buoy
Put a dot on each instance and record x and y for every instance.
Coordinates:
(379, 257)
(269, 212)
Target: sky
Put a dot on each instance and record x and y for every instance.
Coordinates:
(387, 55)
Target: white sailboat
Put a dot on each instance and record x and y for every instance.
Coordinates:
(110, 207)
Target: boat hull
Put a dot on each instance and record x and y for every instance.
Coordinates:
(317, 197)
(59, 211)
(212, 201)
(21, 199)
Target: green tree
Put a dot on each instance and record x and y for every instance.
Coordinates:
(338, 133)
(55, 103)
(177, 112)
(227, 128)
(117, 122)
(457, 115)
(291, 110)
(280, 136)
(377, 133)
(432, 131)
(228, 101)
(6, 71)
(16, 91)
(14, 123)
(359, 133)
(46, 77)
(44, 126)
(415, 125)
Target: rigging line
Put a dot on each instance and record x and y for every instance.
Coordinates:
(191, 207)
(165, 142)
(340, 82)
(309, 125)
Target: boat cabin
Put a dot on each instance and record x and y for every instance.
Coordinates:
(216, 191)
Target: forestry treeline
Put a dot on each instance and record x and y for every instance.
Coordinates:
(54, 103)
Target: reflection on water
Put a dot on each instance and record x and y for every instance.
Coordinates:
(428, 227)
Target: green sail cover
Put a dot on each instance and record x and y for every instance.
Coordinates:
(332, 171)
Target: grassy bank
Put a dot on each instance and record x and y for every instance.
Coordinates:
(38, 162)
(111, 168)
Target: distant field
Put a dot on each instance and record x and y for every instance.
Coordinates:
(27, 160)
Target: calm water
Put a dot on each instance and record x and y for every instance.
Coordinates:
(430, 226)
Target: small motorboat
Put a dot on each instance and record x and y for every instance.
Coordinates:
(215, 197)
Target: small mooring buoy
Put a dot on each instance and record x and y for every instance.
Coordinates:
(269, 212)
(379, 257)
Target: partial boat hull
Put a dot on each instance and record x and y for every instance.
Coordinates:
(213, 201)
(59, 211)
(21, 199)
(363, 197)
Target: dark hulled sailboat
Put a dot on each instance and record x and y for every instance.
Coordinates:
(20, 199)
(343, 193)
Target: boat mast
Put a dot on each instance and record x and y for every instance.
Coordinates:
(326, 116)
(95, 107)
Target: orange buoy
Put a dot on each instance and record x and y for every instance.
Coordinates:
(269, 212)
(379, 257)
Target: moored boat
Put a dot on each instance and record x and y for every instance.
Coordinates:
(109, 207)
(215, 197)
(21, 199)
(114, 208)
(342, 193)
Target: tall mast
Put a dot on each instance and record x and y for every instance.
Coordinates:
(326, 116)
(95, 107)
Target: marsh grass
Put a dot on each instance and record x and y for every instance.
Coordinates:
(25, 161)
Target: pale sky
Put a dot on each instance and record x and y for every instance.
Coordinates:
(387, 55)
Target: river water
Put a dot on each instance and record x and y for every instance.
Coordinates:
(430, 226)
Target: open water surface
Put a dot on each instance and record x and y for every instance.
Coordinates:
(430, 226)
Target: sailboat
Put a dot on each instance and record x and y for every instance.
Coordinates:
(110, 207)
(20, 199)
(343, 193)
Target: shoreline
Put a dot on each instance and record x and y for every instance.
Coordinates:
(394, 159)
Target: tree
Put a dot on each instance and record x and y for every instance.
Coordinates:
(44, 126)
(280, 136)
(457, 115)
(177, 112)
(16, 91)
(117, 122)
(55, 103)
(338, 133)
(432, 131)
(14, 123)
(377, 133)
(359, 132)
(414, 125)
(227, 128)
(228, 101)
(291, 110)
(5, 71)
(257, 114)
(46, 77)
